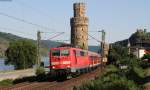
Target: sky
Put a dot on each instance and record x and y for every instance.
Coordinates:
(119, 18)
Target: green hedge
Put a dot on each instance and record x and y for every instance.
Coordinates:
(112, 79)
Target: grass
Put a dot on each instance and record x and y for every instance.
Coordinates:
(6, 82)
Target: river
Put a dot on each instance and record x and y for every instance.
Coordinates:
(4, 67)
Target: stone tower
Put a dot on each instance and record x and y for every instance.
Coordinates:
(79, 26)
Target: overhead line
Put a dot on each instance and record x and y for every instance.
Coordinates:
(15, 30)
(35, 9)
(94, 38)
(57, 35)
(25, 21)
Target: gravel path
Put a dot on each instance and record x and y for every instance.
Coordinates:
(16, 74)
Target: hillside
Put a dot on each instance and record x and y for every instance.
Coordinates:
(94, 48)
(5, 38)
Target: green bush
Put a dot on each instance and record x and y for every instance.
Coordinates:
(41, 76)
(6, 82)
(112, 79)
(112, 83)
(40, 70)
(136, 74)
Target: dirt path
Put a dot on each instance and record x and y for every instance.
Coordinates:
(16, 74)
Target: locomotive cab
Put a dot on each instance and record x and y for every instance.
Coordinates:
(60, 58)
(60, 62)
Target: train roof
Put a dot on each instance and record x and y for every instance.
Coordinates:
(65, 48)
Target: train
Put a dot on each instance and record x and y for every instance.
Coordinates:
(66, 61)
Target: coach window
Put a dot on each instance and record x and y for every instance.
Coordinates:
(65, 53)
(82, 53)
(55, 52)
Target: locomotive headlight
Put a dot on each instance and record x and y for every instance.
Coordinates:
(68, 66)
(53, 67)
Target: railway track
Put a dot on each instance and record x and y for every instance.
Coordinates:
(65, 85)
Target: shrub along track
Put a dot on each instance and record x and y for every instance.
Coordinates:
(65, 85)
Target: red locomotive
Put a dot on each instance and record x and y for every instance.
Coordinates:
(70, 60)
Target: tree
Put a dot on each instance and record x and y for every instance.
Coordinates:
(117, 53)
(22, 54)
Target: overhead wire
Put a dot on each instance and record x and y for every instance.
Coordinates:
(37, 10)
(25, 21)
(56, 35)
(22, 20)
(52, 34)
(10, 29)
(94, 38)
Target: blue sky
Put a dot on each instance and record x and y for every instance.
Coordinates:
(120, 18)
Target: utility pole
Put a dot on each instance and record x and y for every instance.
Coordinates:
(38, 48)
(129, 47)
(102, 46)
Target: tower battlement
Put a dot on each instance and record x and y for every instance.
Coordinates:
(79, 9)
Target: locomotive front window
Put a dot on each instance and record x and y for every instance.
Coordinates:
(65, 53)
(55, 52)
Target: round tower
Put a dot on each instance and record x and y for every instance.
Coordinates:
(79, 26)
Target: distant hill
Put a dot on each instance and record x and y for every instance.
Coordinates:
(6, 38)
(94, 48)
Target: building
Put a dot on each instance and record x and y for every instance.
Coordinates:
(79, 26)
(138, 52)
(138, 43)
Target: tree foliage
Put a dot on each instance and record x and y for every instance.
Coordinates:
(112, 79)
(117, 54)
(115, 78)
(21, 54)
(120, 55)
(146, 56)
